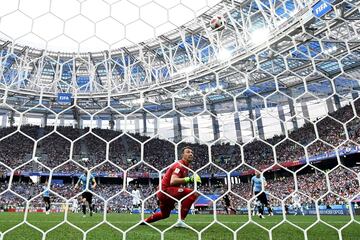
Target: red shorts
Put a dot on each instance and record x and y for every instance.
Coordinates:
(167, 203)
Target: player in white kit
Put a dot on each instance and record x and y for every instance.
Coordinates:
(296, 199)
(193, 209)
(136, 198)
(255, 206)
(75, 206)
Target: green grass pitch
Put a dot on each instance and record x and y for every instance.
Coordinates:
(104, 231)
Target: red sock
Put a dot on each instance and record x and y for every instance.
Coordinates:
(186, 204)
(156, 217)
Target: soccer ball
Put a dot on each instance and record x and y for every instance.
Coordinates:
(217, 23)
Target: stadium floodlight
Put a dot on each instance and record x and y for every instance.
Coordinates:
(186, 70)
(260, 35)
(330, 50)
(224, 54)
(141, 100)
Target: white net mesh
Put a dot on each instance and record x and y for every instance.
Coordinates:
(108, 87)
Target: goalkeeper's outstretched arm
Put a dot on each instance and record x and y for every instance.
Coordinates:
(176, 181)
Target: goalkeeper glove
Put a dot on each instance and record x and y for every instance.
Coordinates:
(193, 178)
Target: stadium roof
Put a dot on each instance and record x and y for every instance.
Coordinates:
(93, 25)
(192, 61)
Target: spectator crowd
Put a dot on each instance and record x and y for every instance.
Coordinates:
(111, 151)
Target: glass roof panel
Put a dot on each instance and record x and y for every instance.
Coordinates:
(93, 25)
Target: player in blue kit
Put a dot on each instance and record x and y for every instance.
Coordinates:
(257, 184)
(46, 197)
(86, 195)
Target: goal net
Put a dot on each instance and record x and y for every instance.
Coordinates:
(252, 87)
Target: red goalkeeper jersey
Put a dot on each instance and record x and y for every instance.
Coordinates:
(177, 169)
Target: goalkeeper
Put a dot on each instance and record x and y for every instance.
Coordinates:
(171, 184)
